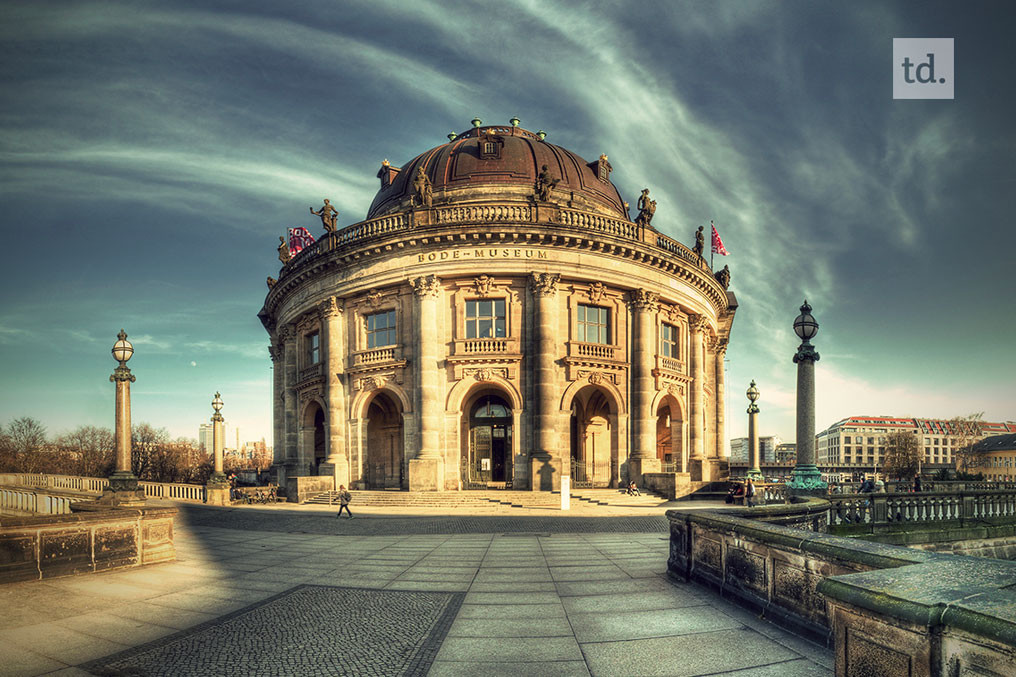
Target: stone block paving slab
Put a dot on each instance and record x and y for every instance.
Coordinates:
(67, 646)
(513, 586)
(609, 627)
(685, 655)
(114, 628)
(306, 630)
(498, 611)
(798, 668)
(554, 626)
(511, 598)
(509, 649)
(630, 602)
(154, 614)
(532, 669)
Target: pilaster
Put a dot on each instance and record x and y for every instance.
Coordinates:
(643, 459)
(549, 460)
(336, 459)
(426, 471)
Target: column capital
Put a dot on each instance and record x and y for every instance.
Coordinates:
(698, 323)
(544, 284)
(122, 373)
(644, 300)
(806, 353)
(287, 332)
(721, 346)
(426, 285)
(329, 308)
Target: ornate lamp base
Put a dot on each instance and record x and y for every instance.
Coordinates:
(807, 481)
(755, 474)
(123, 490)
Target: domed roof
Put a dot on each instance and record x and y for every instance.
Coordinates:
(500, 163)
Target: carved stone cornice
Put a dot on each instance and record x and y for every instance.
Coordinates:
(544, 284)
(426, 285)
(644, 300)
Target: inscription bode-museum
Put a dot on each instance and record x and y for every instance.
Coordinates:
(496, 360)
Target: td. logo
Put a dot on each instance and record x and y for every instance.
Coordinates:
(923, 68)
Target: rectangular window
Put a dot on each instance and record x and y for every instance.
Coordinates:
(485, 319)
(381, 329)
(668, 341)
(593, 324)
(313, 348)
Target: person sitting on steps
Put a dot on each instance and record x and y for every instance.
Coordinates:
(633, 489)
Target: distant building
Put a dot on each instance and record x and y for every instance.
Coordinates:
(205, 440)
(995, 456)
(857, 444)
(786, 452)
(766, 449)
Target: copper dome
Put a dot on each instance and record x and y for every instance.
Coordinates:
(500, 163)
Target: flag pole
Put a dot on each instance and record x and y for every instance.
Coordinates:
(712, 249)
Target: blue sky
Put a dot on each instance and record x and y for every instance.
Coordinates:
(152, 152)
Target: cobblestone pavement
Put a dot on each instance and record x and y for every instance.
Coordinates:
(310, 630)
(539, 596)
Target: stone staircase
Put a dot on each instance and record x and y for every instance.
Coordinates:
(446, 499)
(617, 498)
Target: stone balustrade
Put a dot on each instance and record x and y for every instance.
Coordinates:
(883, 511)
(375, 356)
(194, 493)
(886, 610)
(32, 501)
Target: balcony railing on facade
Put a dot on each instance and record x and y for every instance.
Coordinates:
(594, 351)
(507, 213)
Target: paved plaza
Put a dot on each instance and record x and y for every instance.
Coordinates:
(292, 590)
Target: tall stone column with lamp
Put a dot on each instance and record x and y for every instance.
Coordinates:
(753, 471)
(336, 462)
(217, 488)
(643, 459)
(547, 463)
(806, 479)
(426, 471)
(123, 489)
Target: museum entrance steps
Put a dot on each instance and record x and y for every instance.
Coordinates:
(618, 498)
(446, 499)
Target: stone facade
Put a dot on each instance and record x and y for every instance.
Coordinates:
(495, 338)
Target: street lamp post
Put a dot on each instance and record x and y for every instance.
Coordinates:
(806, 479)
(123, 485)
(754, 471)
(217, 488)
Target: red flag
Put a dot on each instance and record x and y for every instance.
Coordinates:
(718, 247)
(299, 238)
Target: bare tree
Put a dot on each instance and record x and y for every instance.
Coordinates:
(27, 440)
(967, 431)
(90, 449)
(146, 442)
(902, 455)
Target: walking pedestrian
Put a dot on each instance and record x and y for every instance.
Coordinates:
(344, 498)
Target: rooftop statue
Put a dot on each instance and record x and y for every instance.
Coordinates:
(723, 277)
(424, 191)
(646, 208)
(271, 281)
(328, 215)
(700, 241)
(284, 254)
(545, 184)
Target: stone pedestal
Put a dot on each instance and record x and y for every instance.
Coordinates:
(640, 466)
(217, 494)
(698, 469)
(338, 469)
(426, 474)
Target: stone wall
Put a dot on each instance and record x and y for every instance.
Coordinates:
(670, 485)
(888, 610)
(300, 489)
(95, 539)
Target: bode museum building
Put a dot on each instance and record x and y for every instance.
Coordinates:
(498, 320)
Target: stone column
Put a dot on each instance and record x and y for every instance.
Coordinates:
(123, 484)
(292, 429)
(217, 488)
(753, 470)
(643, 458)
(277, 351)
(806, 478)
(696, 428)
(337, 460)
(721, 401)
(548, 461)
(426, 471)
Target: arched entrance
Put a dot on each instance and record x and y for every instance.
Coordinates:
(487, 457)
(670, 435)
(384, 461)
(594, 459)
(312, 437)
